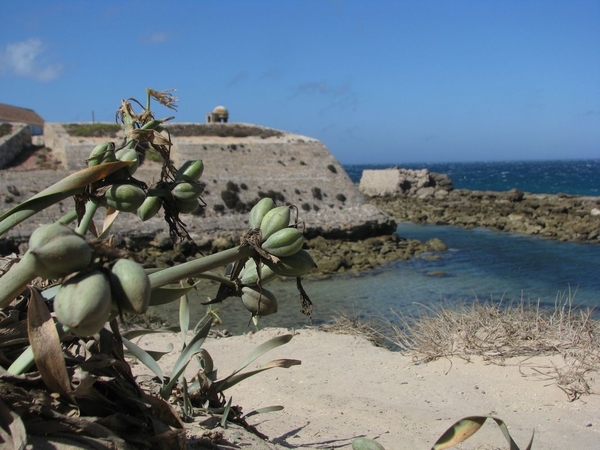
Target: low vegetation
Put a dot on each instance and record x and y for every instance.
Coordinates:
(106, 130)
(236, 130)
(494, 331)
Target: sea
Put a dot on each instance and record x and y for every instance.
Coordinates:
(479, 265)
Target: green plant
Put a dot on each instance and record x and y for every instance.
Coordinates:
(457, 433)
(92, 283)
(331, 168)
(93, 129)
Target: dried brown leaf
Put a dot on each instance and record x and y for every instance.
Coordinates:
(47, 349)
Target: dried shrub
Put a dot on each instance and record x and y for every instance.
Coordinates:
(496, 331)
(306, 207)
(316, 193)
(341, 197)
(332, 168)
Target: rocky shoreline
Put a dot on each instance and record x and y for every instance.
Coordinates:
(331, 255)
(561, 217)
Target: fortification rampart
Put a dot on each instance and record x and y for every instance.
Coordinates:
(238, 170)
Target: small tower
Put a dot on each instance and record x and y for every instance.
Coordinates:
(218, 115)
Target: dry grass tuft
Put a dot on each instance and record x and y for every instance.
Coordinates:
(495, 332)
(372, 329)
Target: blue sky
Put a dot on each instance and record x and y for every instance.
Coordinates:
(377, 81)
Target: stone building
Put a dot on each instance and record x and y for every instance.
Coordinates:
(218, 115)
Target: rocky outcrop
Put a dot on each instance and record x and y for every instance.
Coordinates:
(561, 217)
(405, 182)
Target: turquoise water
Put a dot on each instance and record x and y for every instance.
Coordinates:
(479, 263)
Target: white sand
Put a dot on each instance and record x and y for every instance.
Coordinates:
(346, 387)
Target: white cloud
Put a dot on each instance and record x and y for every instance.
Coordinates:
(24, 59)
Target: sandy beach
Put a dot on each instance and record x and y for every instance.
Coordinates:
(346, 388)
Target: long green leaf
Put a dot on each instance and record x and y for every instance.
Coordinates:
(459, 432)
(509, 439)
(133, 333)
(226, 413)
(165, 392)
(72, 184)
(233, 379)
(266, 409)
(193, 347)
(263, 348)
(144, 358)
(467, 427)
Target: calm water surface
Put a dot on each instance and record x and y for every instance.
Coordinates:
(479, 264)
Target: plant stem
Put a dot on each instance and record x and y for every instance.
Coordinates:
(199, 266)
(68, 217)
(84, 225)
(26, 359)
(16, 279)
(214, 277)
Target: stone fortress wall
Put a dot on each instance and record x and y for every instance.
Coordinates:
(297, 169)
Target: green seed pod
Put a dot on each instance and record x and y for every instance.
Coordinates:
(129, 154)
(259, 304)
(366, 444)
(125, 197)
(187, 207)
(187, 192)
(275, 220)
(47, 233)
(130, 287)
(83, 303)
(102, 153)
(296, 265)
(249, 274)
(58, 251)
(259, 210)
(190, 171)
(149, 208)
(284, 242)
